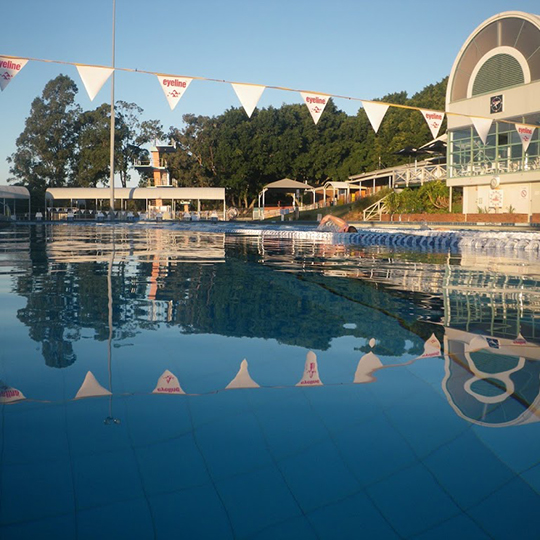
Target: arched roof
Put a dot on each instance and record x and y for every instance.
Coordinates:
(503, 52)
(14, 192)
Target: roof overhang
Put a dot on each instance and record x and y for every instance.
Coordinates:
(191, 193)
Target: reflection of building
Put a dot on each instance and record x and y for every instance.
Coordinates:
(499, 304)
(496, 76)
(493, 382)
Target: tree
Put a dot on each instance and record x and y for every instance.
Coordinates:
(93, 157)
(45, 155)
(130, 136)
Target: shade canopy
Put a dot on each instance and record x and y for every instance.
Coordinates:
(207, 194)
(286, 184)
(14, 192)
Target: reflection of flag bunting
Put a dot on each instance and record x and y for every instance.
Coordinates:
(91, 388)
(168, 384)
(311, 371)
(9, 394)
(243, 378)
(432, 348)
(368, 364)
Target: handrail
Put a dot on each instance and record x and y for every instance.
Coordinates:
(377, 208)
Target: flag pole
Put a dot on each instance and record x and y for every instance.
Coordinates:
(111, 181)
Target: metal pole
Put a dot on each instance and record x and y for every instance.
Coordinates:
(111, 215)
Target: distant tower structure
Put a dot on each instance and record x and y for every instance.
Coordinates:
(161, 176)
(157, 165)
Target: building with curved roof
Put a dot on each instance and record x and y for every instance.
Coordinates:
(496, 77)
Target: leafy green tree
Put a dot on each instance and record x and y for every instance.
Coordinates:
(130, 135)
(45, 154)
(93, 158)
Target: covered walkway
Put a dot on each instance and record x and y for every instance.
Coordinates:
(15, 201)
(159, 202)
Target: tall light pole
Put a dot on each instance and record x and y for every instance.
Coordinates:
(111, 214)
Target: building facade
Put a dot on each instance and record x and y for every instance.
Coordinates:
(496, 76)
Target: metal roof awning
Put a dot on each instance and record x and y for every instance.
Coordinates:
(287, 183)
(191, 193)
(14, 192)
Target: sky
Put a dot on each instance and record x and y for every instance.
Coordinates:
(348, 48)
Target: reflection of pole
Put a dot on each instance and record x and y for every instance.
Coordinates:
(110, 419)
(111, 214)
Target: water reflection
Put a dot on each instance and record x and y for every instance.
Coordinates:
(493, 382)
(119, 282)
(263, 389)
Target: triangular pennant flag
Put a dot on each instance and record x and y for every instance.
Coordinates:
(311, 371)
(525, 134)
(91, 388)
(94, 78)
(243, 378)
(482, 126)
(168, 384)
(174, 88)
(434, 120)
(432, 348)
(369, 363)
(249, 95)
(315, 103)
(375, 113)
(9, 67)
(9, 394)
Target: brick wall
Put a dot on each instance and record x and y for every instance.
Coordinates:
(462, 218)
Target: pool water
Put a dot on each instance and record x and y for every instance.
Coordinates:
(386, 392)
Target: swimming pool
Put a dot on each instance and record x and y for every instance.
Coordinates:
(388, 392)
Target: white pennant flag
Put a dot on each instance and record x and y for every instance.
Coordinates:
(9, 67)
(368, 364)
(94, 78)
(525, 134)
(168, 384)
(243, 378)
(91, 388)
(311, 371)
(315, 103)
(482, 126)
(174, 88)
(9, 394)
(434, 120)
(249, 95)
(375, 113)
(432, 348)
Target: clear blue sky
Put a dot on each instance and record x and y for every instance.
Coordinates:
(343, 47)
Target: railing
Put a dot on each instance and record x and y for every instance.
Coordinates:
(419, 175)
(501, 166)
(377, 209)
